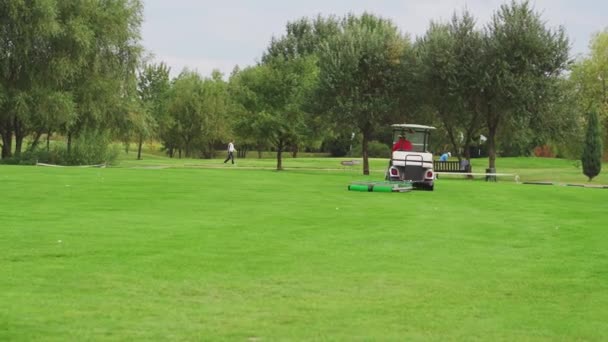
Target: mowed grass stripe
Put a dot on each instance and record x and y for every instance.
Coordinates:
(238, 254)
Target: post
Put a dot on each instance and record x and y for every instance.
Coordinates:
(490, 174)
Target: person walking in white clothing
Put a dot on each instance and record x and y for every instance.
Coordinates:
(231, 151)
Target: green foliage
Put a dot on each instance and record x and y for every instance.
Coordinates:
(522, 60)
(375, 149)
(304, 37)
(272, 99)
(338, 146)
(91, 148)
(153, 88)
(593, 150)
(590, 75)
(198, 109)
(448, 78)
(362, 75)
(589, 80)
(65, 66)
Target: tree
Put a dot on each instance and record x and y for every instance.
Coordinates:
(198, 108)
(26, 32)
(522, 61)
(592, 152)
(272, 96)
(304, 39)
(185, 108)
(589, 78)
(448, 75)
(153, 87)
(218, 106)
(591, 75)
(360, 75)
(61, 62)
(105, 87)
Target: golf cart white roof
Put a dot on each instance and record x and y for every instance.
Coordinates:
(412, 126)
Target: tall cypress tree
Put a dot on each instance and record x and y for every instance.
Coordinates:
(592, 152)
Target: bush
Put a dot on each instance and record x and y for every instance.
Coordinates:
(88, 149)
(25, 158)
(592, 152)
(338, 146)
(92, 148)
(544, 151)
(375, 149)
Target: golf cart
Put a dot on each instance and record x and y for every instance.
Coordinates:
(410, 158)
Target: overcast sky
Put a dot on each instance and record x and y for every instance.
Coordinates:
(204, 35)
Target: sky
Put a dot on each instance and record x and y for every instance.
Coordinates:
(203, 35)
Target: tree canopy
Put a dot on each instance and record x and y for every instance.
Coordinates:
(75, 68)
(360, 76)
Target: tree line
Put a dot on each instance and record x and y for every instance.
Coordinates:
(77, 70)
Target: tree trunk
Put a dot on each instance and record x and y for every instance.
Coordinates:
(450, 130)
(6, 132)
(467, 151)
(36, 140)
(48, 141)
(18, 143)
(69, 143)
(364, 145)
(19, 135)
(294, 153)
(492, 119)
(280, 157)
(492, 146)
(187, 141)
(7, 143)
(139, 145)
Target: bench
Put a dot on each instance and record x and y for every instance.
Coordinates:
(350, 163)
(450, 166)
(453, 167)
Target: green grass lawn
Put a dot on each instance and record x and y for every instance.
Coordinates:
(236, 253)
(526, 169)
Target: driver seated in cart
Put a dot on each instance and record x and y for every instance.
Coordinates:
(402, 144)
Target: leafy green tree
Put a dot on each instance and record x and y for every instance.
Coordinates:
(361, 73)
(589, 79)
(522, 61)
(556, 123)
(303, 38)
(53, 109)
(448, 74)
(199, 109)
(218, 106)
(105, 88)
(591, 75)
(26, 30)
(592, 152)
(272, 96)
(63, 60)
(153, 87)
(186, 109)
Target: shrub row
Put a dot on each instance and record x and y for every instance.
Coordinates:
(88, 149)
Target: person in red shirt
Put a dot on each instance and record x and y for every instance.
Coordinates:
(402, 144)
